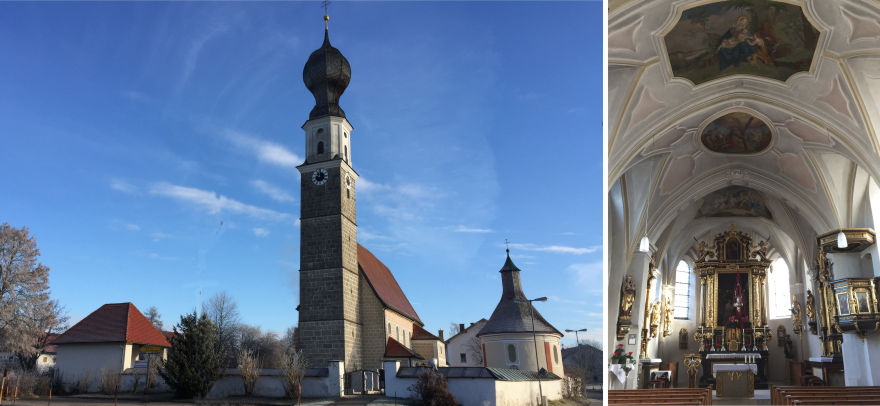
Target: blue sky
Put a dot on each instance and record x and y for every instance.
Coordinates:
(151, 150)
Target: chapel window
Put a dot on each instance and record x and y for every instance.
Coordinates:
(780, 290)
(511, 353)
(398, 333)
(682, 290)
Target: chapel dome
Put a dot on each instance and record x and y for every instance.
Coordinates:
(514, 312)
(326, 75)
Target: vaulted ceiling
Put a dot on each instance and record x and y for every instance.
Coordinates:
(809, 151)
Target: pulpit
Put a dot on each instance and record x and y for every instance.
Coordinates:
(733, 318)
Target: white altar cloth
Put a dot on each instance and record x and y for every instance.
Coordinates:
(618, 372)
(729, 355)
(734, 368)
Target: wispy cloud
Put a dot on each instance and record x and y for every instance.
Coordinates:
(120, 185)
(261, 232)
(465, 229)
(159, 236)
(558, 249)
(160, 257)
(587, 273)
(213, 203)
(132, 227)
(272, 191)
(135, 96)
(265, 151)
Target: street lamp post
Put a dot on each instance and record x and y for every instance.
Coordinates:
(576, 338)
(535, 339)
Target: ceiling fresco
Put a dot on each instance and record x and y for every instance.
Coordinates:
(736, 133)
(753, 37)
(734, 201)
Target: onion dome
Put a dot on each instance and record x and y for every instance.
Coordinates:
(514, 312)
(326, 75)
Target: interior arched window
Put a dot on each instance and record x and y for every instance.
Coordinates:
(780, 290)
(320, 147)
(511, 352)
(682, 290)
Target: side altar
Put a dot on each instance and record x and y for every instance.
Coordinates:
(733, 316)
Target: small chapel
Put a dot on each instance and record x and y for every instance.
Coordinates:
(743, 169)
(351, 307)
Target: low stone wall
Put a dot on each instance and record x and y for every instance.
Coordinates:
(270, 383)
(478, 391)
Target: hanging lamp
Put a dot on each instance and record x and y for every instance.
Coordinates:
(841, 240)
(645, 244)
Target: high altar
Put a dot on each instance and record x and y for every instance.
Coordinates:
(733, 318)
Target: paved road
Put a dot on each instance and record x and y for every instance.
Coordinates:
(76, 401)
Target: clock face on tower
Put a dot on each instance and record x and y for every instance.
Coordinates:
(319, 177)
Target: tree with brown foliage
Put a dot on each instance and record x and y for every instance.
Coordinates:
(27, 315)
(433, 390)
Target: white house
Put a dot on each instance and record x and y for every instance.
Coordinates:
(110, 338)
(463, 349)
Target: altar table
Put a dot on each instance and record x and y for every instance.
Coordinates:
(735, 380)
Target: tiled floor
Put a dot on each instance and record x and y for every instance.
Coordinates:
(762, 397)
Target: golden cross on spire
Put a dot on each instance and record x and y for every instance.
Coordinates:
(324, 4)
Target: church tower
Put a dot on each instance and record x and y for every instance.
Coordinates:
(329, 321)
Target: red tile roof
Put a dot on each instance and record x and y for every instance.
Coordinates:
(394, 349)
(385, 285)
(422, 334)
(114, 322)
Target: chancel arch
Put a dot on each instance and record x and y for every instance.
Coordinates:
(760, 157)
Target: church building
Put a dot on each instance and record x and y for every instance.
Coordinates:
(351, 307)
(743, 167)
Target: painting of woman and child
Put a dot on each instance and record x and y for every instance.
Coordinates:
(754, 37)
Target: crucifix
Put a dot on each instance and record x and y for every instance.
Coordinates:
(324, 4)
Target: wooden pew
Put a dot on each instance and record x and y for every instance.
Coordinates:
(816, 395)
(665, 396)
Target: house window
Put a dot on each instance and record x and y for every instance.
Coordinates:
(682, 290)
(45, 360)
(463, 357)
(511, 353)
(780, 290)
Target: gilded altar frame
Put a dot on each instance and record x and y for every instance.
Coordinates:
(732, 253)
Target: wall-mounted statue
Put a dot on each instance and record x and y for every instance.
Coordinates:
(811, 311)
(627, 298)
(655, 318)
(796, 318)
(668, 312)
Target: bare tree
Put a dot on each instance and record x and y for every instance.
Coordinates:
(154, 317)
(289, 339)
(223, 311)
(26, 312)
(268, 347)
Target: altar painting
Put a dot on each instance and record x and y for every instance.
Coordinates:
(753, 37)
(734, 201)
(736, 133)
(733, 300)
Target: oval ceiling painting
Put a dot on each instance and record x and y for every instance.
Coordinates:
(751, 37)
(736, 133)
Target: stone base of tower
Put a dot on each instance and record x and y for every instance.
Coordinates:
(331, 340)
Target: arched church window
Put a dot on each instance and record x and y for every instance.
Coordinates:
(398, 333)
(555, 355)
(780, 290)
(682, 290)
(320, 147)
(346, 153)
(511, 353)
(389, 329)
